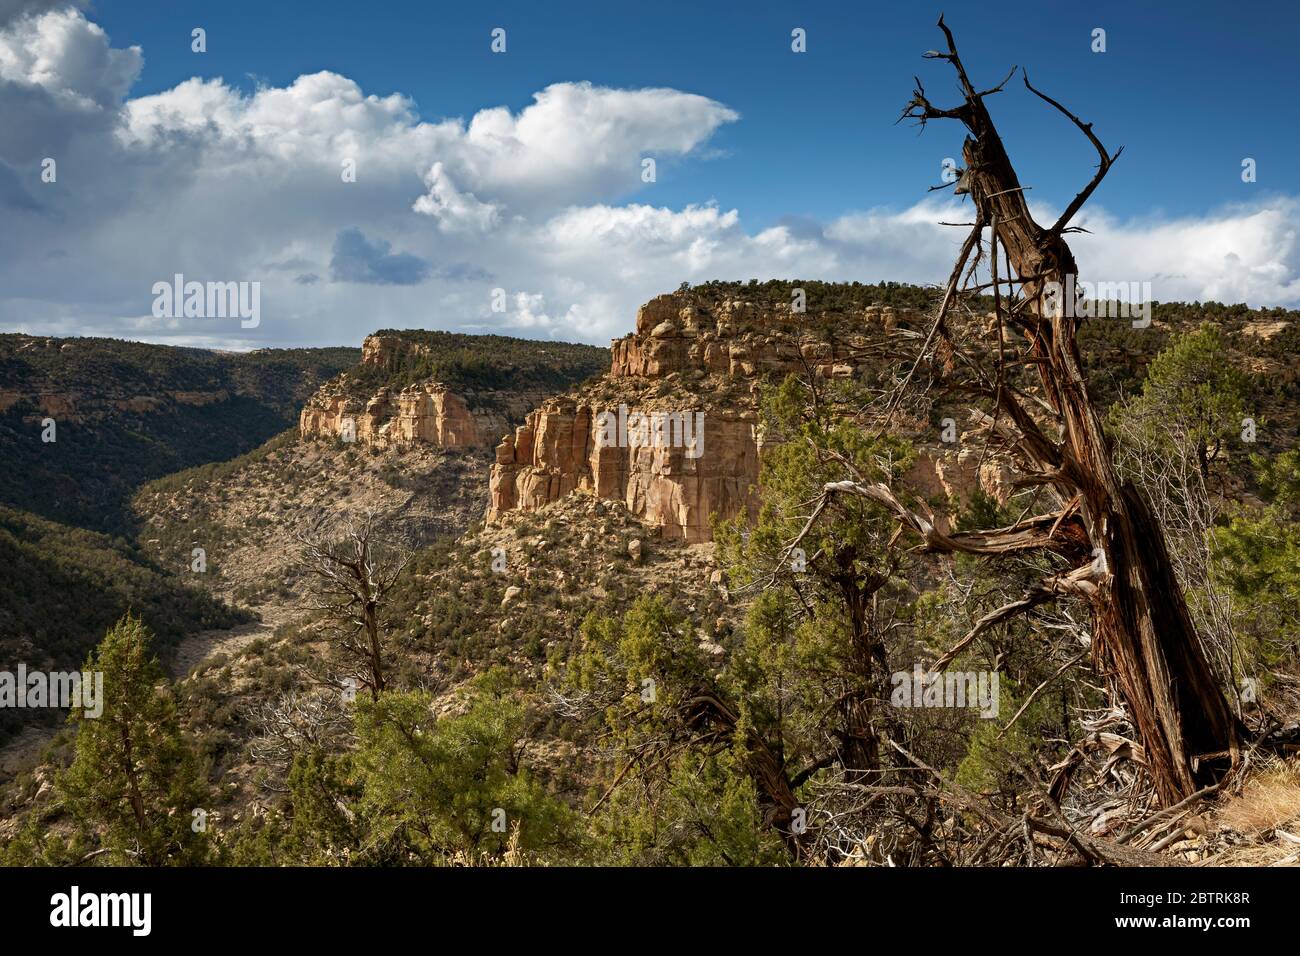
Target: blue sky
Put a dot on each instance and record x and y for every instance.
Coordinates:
(520, 171)
(1188, 89)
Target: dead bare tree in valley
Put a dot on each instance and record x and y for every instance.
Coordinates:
(1144, 640)
(355, 577)
(294, 722)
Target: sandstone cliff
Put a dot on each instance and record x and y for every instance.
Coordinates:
(690, 356)
(383, 407)
(423, 413)
(559, 450)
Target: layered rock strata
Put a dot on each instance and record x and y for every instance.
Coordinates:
(424, 412)
(685, 358)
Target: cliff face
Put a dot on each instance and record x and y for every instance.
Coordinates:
(686, 358)
(560, 449)
(737, 340)
(429, 413)
(423, 412)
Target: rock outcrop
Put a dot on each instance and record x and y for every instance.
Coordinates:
(426, 412)
(686, 358)
(560, 449)
(737, 339)
(946, 472)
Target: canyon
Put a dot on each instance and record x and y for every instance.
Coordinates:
(690, 355)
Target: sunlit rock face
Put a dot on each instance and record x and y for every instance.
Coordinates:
(685, 358)
(425, 412)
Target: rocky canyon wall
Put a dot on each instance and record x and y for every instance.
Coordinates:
(691, 361)
(692, 357)
(424, 412)
(563, 447)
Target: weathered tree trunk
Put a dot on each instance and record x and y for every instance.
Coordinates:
(765, 766)
(374, 650)
(1144, 639)
(859, 735)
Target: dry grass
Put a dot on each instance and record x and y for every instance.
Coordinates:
(1261, 825)
(1269, 800)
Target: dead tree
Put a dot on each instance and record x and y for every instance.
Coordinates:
(355, 576)
(1143, 637)
(293, 723)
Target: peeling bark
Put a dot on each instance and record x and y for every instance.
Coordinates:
(1144, 639)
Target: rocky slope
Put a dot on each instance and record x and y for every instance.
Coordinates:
(514, 594)
(245, 513)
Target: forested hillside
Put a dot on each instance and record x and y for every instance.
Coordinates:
(127, 412)
(62, 587)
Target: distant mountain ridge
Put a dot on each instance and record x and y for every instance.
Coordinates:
(128, 412)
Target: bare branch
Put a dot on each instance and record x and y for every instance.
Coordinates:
(1043, 532)
(1081, 582)
(1103, 167)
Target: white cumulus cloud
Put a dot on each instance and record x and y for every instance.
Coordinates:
(545, 203)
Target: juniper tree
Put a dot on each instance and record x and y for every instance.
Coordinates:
(135, 782)
(1112, 548)
(737, 726)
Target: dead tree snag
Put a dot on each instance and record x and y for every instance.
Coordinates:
(1143, 638)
